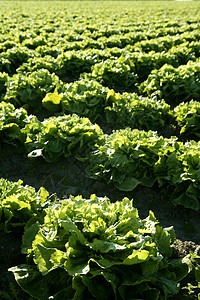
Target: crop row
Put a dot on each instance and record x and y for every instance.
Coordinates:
(125, 158)
(136, 41)
(149, 54)
(172, 76)
(89, 246)
(42, 90)
(73, 32)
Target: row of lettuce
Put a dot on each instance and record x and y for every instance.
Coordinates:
(126, 157)
(156, 75)
(133, 62)
(138, 41)
(42, 91)
(119, 54)
(175, 49)
(73, 32)
(94, 248)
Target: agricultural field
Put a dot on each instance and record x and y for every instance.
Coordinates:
(99, 150)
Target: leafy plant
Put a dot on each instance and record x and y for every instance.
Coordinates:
(174, 85)
(86, 98)
(63, 135)
(177, 172)
(131, 110)
(11, 122)
(19, 203)
(8, 44)
(188, 118)
(16, 57)
(45, 50)
(127, 158)
(71, 65)
(29, 90)
(132, 157)
(3, 79)
(190, 287)
(52, 102)
(37, 63)
(99, 250)
(146, 62)
(183, 53)
(34, 42)
(117, 73)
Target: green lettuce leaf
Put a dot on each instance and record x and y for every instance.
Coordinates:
(97, 249)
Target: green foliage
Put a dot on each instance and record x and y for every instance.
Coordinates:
(131, 110)
(131, 157)
(11, 122)
(86, 98)
(188, 118)
(71, 65)
(62, 136)
(183, 53)
(178, 171)
(16, 56)
(127, 158)
(100, 250)
(34, 42)
(114, 73)
(44, 51)
(36, 63)
(52, 102)
(192, 288)
(4, 46)
(19, 203)
(3, 79)
(174, 84)
(29, 90)
(162, 43)
(146, 62)
(5, 66)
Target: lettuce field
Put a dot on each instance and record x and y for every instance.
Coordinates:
(99, 150)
